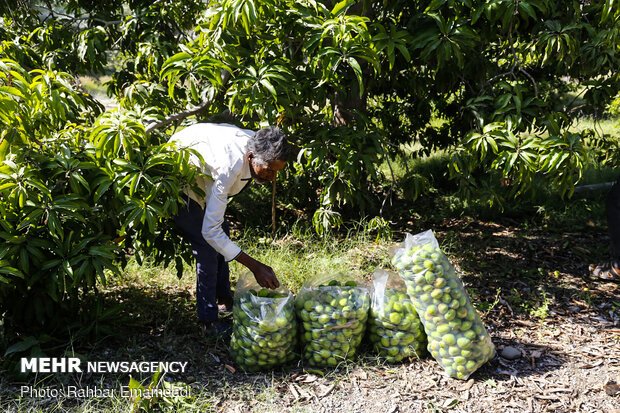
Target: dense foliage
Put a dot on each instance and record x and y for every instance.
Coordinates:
(76, 195)
(353, 81)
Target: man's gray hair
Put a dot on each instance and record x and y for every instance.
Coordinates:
(269, 144)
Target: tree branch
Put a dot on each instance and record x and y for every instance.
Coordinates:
(72, 19)
(518, 61)
(177, 116)
(575, 99)
(584, 189)
(225, 75)
(50, 10)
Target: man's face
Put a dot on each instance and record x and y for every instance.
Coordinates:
(264, 173)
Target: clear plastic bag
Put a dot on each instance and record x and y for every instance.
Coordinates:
(457, 338)
(264, 325)
(393, 324)
(332, 310)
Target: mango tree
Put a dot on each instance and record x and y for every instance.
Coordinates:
(353, 81)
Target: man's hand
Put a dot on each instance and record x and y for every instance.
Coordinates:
(263, 273)
(265, 276)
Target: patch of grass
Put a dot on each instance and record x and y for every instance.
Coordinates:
(536, 306)
(541, 309)
(406, 164)
(606, 126)
(302, 254)
(96, 88)
(95, 85)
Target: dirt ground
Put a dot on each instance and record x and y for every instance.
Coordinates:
(570, 347)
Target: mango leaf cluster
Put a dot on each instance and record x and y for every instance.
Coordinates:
(358, 82)
(78, 193)
(355, 80)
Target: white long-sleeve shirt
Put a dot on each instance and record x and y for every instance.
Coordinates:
(223, 148)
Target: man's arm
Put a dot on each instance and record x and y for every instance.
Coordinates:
(263, 273)
(215, 236)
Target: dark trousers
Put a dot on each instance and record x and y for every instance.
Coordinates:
(613, 219)
(213, 277)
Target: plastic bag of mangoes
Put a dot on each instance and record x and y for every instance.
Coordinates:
(457, 339)
(332, 310)
(393, 324)
(264, 325)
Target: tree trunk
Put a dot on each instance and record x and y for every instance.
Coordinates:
(345, 103)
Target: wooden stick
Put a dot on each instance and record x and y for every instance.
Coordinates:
(273, 209)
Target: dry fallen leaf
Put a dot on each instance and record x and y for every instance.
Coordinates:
(310, 378)
(325, 390)
(591, 365)
(294, 391)
(360, 374)
(303, 393)
(468, 385)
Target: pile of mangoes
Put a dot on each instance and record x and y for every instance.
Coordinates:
(332, 321)
(264, 329)
(394, 327)
(457, 338)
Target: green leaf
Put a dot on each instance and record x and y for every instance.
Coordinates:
(135, 385)
(607, 9)
(434, 5)
(101, 190)
(4, 149)
(101, 251)
(525, 7)
(358, 73)
(179, 267)
(67, 268)
(11, 91)
(134, 183)
(24, 260)
(27, 343)
(51, 264)
(12, 271)
(81, 180)
(341, 7)
(268, 86)
(404, 51)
